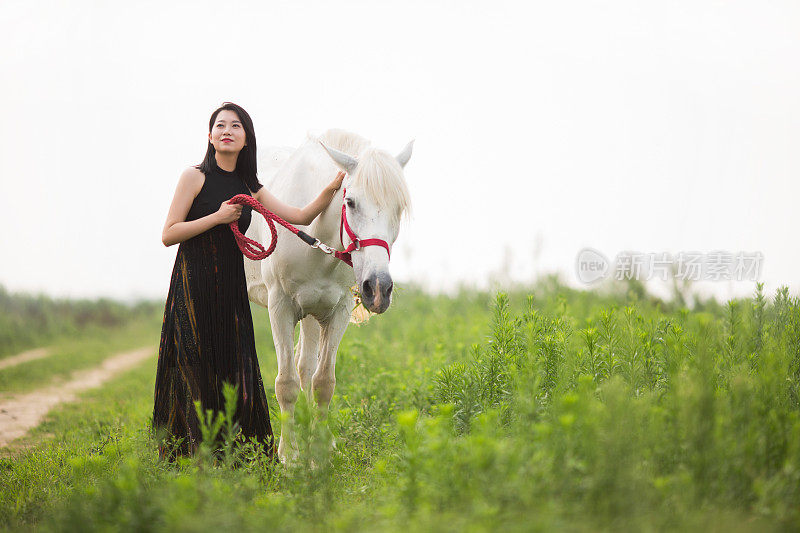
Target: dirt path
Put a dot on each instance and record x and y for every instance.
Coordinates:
(24, 357)
(22, 412)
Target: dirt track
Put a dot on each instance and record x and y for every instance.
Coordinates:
(24, 357)
(22, 412)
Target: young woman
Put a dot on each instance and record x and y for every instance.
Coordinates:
(207, 333)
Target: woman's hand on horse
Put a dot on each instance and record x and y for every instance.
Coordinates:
(337, 181)
(228, 213)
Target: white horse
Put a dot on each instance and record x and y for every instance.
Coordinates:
(298, 283)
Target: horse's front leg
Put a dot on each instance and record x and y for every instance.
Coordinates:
(287, 382)
(307, 352)
(324, 379)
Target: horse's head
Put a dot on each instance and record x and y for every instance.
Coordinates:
(376, 199)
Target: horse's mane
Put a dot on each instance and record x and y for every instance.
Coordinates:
(345, 141)
(378, 173)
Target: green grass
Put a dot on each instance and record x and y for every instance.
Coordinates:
(565, 410)
(30, 321)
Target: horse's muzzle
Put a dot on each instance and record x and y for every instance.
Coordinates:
(376, 292)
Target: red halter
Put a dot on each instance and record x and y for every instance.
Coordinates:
(356, 243)
(254, 250)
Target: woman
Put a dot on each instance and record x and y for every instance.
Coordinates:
(207, 332)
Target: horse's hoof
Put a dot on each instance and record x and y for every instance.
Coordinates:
(286, 452)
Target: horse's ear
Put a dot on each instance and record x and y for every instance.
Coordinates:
(405, 155)
(347, 163)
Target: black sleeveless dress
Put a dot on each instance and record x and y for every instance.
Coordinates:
(207, 332)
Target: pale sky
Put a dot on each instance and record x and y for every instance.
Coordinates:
(541, 128)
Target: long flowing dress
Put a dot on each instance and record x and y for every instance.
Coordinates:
(207, 332)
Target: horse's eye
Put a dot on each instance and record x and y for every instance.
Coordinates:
(350, 203)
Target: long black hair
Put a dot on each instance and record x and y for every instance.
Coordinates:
(246, 165)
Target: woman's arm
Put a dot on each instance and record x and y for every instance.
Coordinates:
(295, 215)
(176, 229)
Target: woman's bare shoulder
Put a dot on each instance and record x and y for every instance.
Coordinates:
(192, 178)
(193, 173)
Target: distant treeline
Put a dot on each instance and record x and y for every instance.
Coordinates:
(30, 320)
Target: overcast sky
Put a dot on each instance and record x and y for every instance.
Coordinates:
(541, 128)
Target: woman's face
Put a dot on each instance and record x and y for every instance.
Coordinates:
(227, 133)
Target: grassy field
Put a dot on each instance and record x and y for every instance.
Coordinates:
(28, 321)
(539, 409)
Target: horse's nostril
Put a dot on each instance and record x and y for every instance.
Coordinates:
(366, 290)
(389, 290)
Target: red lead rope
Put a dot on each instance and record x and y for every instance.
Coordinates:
(254, 250)
(250, 248)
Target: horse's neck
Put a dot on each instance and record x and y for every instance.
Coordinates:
(326, 226)
(301, 179)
